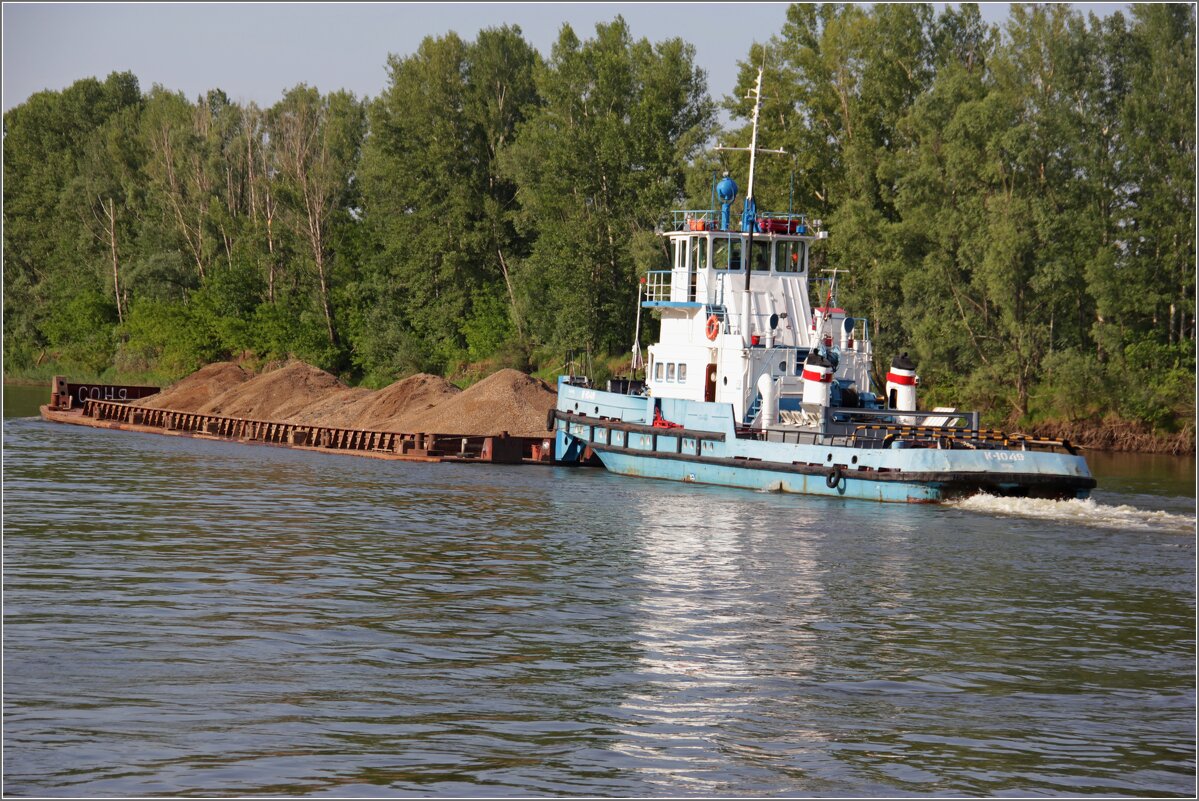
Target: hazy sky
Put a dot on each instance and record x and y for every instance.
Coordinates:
(255, 51)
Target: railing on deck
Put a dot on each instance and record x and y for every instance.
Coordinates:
(694, 219)
(657, 285)
(861, 329)
(499, 449)
(783, 223)
(709, 220)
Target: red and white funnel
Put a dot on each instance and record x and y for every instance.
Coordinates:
(901, 385)
(817, 380)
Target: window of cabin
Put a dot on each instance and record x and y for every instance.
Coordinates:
(726, 254)
(720, 253)
(760, 256)
(682, 373)
(699, 253)
(669, 372)
(659, 371)
(788, 257)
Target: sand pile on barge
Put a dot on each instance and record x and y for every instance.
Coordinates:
(279, 394)
(329, 406)
(390, 408)
(505, 401)
(300, 393)
(199, 388)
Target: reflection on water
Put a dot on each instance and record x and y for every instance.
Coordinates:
(21, 400)
(207, 618)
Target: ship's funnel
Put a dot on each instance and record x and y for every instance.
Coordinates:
(768, 389)
(817, 381)
(901, 386)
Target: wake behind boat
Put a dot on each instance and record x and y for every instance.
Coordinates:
(750, 386)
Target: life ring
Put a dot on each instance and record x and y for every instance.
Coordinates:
(834, 477)
(713, 327)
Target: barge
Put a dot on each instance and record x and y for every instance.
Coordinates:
(111, 407)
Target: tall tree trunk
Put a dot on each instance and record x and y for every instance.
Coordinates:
(511, 295)
(110, 213)
(320, 270)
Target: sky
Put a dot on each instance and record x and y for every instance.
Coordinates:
(256, 51)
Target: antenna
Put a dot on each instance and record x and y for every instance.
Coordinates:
(749, 216)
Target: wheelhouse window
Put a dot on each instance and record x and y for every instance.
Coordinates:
(699, 253)
(726, 253)
(788, 257)
(659, 371)
(682, 373)
(669, 372)
(760, 255)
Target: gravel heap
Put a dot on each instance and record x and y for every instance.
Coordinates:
(300, 393)
(320, 412)
(507, 400)
(392, 407)
(277, 395)
(190, 393)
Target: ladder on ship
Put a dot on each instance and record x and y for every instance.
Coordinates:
(754, 408)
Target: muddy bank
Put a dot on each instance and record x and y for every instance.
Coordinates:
(1119, 435)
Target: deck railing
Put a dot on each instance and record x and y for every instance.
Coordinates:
(499, 449)
(709, 220)
(658, 285)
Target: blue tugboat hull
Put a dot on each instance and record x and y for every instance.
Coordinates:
(702, 447)
(767, 480)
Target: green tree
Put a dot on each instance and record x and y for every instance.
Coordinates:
(438, 212)
(597, 165)
(315, 142)
(45, 140)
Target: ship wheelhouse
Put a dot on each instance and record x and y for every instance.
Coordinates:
(705, 352)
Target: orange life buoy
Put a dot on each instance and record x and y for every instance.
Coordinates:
(713, 329)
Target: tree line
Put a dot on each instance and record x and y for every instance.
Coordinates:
(1015, 204)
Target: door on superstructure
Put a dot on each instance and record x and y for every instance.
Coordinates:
(710, 384)
(699, 261)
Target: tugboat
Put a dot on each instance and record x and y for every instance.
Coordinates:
(749, 386)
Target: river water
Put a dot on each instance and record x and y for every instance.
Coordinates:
(206, 618)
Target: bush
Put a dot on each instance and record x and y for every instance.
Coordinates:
(1074, 386)
(1155, 383)
(488, 327)
(166, 335)
(81, 330)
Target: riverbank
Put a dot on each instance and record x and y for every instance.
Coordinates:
(1114, 434)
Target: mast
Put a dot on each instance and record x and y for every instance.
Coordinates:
(749, 216)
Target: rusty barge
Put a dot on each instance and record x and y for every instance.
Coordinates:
(110, 406)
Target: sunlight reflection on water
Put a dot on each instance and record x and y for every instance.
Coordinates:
(208, 618)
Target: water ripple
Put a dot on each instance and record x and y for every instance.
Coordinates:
(202, 618)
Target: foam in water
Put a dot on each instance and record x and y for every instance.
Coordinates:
(1084, 512)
